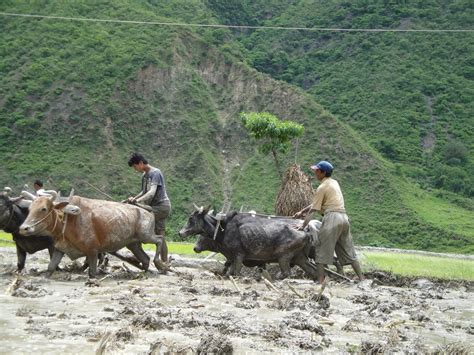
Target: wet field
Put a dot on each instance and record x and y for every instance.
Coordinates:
(192, 310)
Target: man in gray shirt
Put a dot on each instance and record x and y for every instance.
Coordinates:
(153, 193)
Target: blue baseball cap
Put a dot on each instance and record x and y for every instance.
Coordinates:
(323, 165)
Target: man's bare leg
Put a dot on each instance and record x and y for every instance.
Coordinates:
(321, 273)
(357, 269)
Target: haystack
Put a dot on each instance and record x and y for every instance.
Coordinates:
(295, 193)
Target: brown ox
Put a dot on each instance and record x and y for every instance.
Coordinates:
(100, 226)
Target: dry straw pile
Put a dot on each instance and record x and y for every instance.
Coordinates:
(295, 193)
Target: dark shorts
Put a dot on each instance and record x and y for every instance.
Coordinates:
(161, 212)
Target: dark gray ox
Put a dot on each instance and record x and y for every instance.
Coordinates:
(244, 236)
(98, 227)
(209, 244)
(11, 217)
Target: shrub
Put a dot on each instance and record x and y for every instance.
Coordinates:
(455, 153)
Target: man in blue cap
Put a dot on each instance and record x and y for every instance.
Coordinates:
(335, 233)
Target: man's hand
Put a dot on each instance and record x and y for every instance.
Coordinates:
(298, 215)
(298, 227)
(131, 200)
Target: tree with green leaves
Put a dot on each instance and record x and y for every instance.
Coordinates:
(276, 135)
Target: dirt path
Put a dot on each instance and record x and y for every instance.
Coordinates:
(193, 310)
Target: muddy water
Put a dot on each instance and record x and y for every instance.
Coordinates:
(192, 309)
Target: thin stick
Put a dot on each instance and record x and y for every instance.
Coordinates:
(266, 275)
(103, 343)
(105, 277)
(323, 320)
(294, 290)
(14, 284)
(213, 254)
(235, 284)
(336, 273)
(99, 190)
(270, 285)
(127, 269)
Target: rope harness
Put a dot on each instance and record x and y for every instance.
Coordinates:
(59, 217)
(42, 219)
(219, 217)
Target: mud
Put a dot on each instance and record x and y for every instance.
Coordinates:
(193, 310)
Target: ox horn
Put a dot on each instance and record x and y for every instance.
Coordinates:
(15, 199)
(199, 209)
(51, 193)
(28, 195)
(71, 194)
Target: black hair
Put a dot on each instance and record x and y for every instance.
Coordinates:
(38, 182)
(328, 173)
(136, 158)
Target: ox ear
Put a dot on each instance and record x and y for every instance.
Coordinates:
(72, 209)
(61, 205)
(206, 210)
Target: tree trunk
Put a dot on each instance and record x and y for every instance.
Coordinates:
(277, 163)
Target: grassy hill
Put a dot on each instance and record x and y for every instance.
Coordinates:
(76, 98)
(409, 94)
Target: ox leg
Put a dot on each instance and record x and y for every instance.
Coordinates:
(92, 261)
(54, 262)
(303, 262)
(237, 265)
(21, 258)
(51, 252)
(284, 263)
(227, 265)
(137, 250)
(158, 241)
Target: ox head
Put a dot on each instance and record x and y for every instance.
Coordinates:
(42, 217)
(7, 190)
(205, 244)
(195, 223)
(5, 205)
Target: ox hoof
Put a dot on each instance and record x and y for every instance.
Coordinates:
(160, 265)
(92, 283)
(281, 276)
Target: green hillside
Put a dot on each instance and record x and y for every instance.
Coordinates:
(76, 98)
(409, 94)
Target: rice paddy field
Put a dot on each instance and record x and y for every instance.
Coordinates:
(459, 267)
